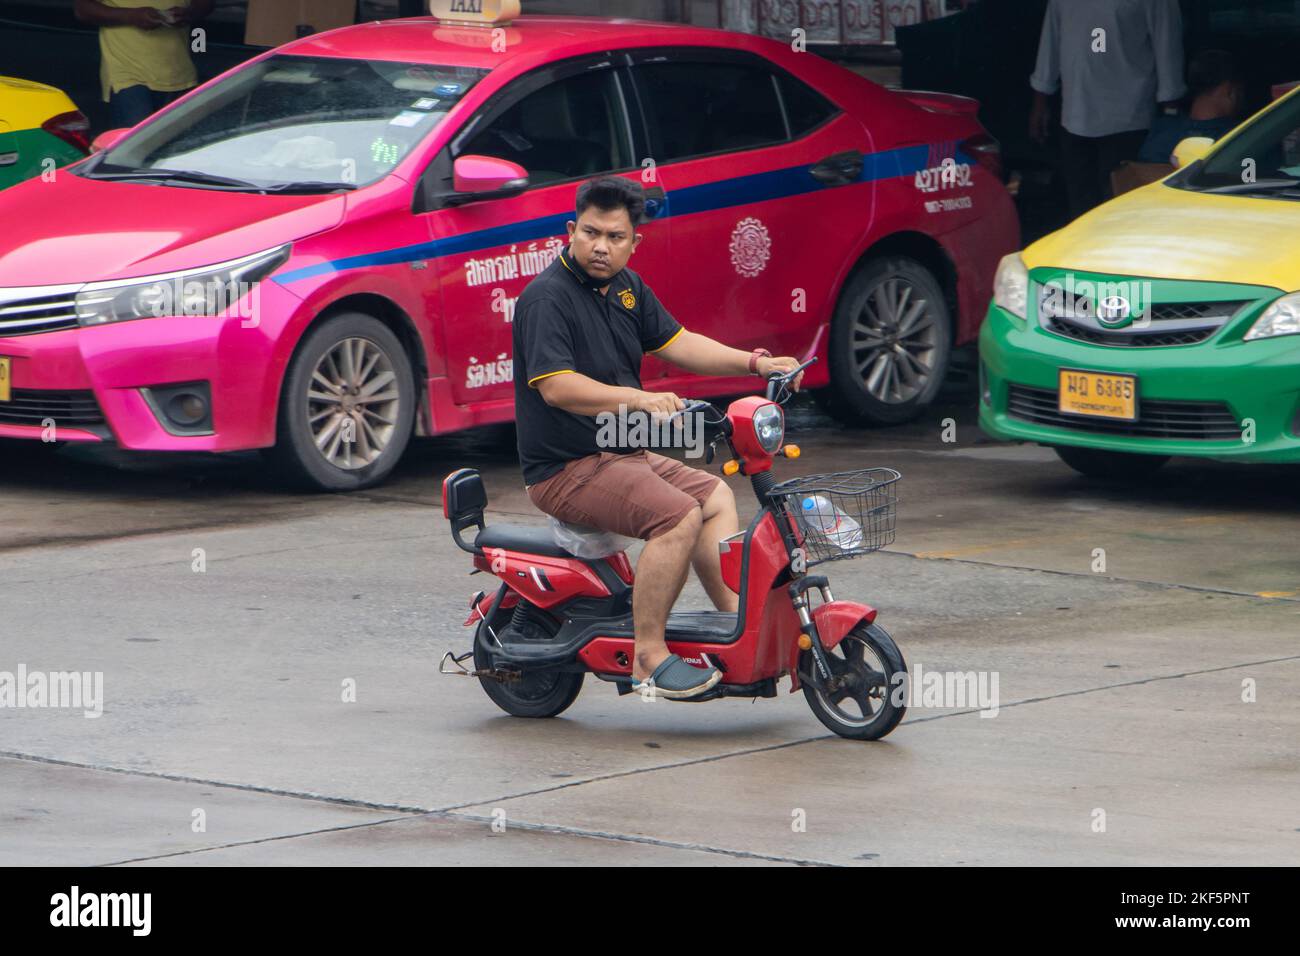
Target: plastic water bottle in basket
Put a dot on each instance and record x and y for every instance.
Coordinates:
(841, 530)
(844, 514)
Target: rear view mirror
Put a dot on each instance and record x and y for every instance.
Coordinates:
(483, 176)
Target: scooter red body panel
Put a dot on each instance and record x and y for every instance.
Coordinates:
(541, 580)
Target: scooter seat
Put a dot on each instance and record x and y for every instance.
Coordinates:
(520, 537)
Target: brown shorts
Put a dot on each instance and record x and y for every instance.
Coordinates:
(640, 495)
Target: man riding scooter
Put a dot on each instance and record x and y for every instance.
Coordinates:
(581, 328)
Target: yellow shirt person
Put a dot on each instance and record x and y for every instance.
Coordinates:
(144, 50)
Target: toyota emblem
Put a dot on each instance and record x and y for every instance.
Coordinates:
(1114, 310)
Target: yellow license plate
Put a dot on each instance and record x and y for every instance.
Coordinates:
(4, 378)
(1097, 394)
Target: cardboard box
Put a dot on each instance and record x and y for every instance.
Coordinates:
(272, 22)
(1130, 175)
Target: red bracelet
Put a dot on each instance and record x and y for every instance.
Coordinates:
(754, 356)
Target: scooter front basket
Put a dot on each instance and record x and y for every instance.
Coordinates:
(842, 515)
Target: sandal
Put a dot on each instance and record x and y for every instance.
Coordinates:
(678, 680)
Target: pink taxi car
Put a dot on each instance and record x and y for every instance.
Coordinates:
(318, 253)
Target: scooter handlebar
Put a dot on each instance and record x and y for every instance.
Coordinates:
(689, 408)
(778, 380)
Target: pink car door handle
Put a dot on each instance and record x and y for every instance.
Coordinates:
(839, 169)
(656, 201)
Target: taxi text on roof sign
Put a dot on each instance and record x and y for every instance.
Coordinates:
(475, 11)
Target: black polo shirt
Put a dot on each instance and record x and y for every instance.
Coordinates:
(564, 324)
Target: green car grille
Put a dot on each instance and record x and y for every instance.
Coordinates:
(1185, 421)
(1169, 323)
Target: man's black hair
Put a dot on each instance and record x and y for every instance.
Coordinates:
(1210, 69)
(608, 193)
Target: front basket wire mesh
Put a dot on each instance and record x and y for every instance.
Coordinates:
(866, 507)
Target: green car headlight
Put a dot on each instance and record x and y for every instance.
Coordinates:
(1011, 285)
(209, 290)
(1280, 318)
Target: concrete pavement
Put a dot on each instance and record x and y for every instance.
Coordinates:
(1122, 734)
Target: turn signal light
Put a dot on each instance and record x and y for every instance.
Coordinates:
(805, 642)
(790, 451)
(731, 467)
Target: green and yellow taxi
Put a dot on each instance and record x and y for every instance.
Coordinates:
(1165, 322)
(40, 129)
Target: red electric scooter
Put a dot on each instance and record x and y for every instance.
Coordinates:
(556, 617)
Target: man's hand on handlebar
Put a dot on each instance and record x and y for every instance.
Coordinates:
(781, 365)
(657, 404)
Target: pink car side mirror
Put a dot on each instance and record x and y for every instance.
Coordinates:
(487, 174)
(107, 139)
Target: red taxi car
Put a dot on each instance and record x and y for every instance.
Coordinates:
(360, 192)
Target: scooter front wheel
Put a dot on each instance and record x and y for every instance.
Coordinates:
(866, 667)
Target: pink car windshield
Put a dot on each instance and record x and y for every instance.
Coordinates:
(295, 119)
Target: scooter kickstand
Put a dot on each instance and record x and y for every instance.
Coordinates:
(451, 664)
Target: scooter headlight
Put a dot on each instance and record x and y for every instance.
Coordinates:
(769, 427)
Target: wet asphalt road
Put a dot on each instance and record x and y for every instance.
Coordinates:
(1121, 691)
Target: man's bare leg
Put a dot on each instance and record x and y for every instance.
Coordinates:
(660, 574)
(720, 521)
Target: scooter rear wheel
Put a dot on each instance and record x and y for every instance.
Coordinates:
(539, 694)
(863, 708)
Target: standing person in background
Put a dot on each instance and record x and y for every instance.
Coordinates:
(1113, 61)
(144, 48)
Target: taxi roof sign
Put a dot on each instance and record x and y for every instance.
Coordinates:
(482, 12)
